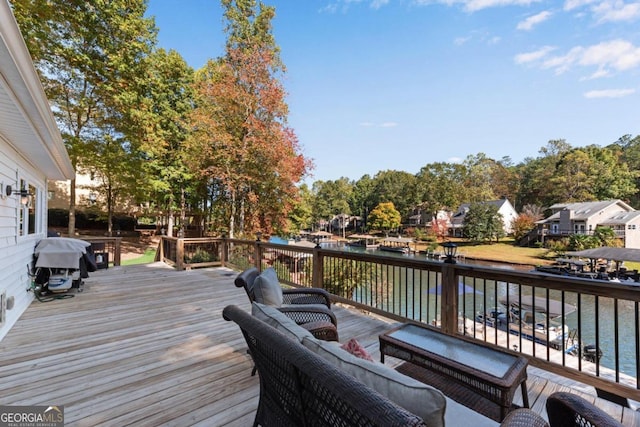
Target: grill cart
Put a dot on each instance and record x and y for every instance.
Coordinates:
(60, 264)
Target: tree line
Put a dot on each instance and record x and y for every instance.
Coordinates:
(210, 145)
(560, 173)
(213, 145)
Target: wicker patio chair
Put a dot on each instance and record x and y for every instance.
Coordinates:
(308, 307)
(569, 410)
(298, 388)
(523, 418)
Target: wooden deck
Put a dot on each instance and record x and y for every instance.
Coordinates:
(147, 346)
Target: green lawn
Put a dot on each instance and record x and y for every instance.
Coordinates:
(148, 257)
(505, 252)
(502, 252)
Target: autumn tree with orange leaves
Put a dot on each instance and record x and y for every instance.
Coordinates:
(240, 141)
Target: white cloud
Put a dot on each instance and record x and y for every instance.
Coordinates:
(476, 5)
(343, 5)
(575, 4)
(378, 125)
(620, 55)
(597, 75)
(616, 11)
(609, 93)
(459, 41)
(454, 160)
(377, 4)
(615, 55)
(534, 20)
(525, 58)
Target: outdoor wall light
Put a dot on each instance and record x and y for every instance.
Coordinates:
(8, 191)
(450, 249)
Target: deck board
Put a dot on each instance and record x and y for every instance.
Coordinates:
(147, 345)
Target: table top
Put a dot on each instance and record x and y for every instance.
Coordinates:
(484, 359)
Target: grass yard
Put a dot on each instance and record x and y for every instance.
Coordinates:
(504, 252)
(501, 252)
(146, 258)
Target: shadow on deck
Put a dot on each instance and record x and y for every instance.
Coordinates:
(147, 345)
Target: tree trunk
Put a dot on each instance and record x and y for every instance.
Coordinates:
(72, 209)
(109, 211)
(232, 219)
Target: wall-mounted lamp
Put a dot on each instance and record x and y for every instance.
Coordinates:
(8, 191)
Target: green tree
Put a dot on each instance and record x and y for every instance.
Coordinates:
(301, 216)
(483, 223)
(241, 143)
(384, 217)
(441, 186)
(362, 198)
(606, 236)
(331, 198)
(537, 175)
(579, 242)
(629, 149)
(91, 59)
(397, 187)
(170, 93)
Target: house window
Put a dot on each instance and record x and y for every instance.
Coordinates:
(29, 218)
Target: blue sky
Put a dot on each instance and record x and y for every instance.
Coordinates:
(396, 84)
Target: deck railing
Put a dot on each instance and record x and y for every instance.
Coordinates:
(462, 299)
(108, 247)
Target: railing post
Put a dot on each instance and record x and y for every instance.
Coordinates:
(180, 254)
(224, 251)
(318, 271)
(160, 251)
(449, 302)
(257, 255)
(117, 252)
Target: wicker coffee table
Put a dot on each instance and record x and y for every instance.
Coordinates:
(481, 378)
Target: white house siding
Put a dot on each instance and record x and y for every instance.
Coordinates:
(632, 234)
(31, 151)
(508, 213)
(16, 252)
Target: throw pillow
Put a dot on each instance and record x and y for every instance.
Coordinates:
(354, 347)
(267, 289)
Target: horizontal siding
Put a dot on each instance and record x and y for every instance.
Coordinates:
(15, 252)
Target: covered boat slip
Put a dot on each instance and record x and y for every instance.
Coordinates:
(148, 346)
(366, 241)
(604, 263)
(396, 244)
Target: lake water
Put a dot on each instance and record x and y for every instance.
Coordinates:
(492, 291)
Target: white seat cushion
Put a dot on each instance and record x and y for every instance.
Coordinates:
(267, 289)
(421, 399)
(274, 318)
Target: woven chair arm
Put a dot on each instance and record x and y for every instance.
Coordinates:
(568, 410)
(306, 296)
(523, 418)
(309, 313)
